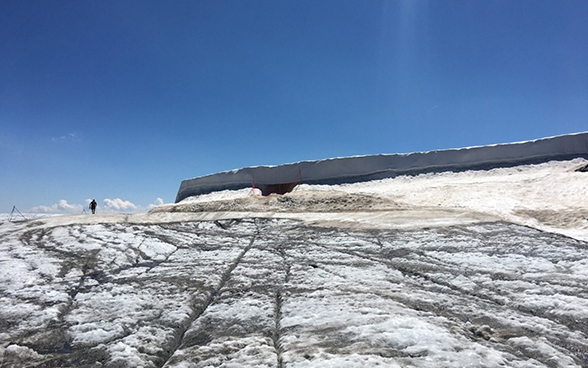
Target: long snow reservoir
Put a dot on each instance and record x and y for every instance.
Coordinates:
(282, 178)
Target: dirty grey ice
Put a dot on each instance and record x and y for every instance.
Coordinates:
(280, 293)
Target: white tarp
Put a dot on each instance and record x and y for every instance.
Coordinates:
(362, 168)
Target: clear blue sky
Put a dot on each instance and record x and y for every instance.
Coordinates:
(125, 99)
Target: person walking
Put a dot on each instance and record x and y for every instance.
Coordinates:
(93, 205)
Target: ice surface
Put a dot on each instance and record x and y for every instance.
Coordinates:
(278, 293)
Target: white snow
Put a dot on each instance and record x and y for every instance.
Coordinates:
(550, 196)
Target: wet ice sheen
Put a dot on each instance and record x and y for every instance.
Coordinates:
(278, 293)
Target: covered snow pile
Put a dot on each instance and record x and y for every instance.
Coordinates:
(363, 168)
(551, 196)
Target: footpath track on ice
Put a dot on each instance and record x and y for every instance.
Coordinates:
(260, 292)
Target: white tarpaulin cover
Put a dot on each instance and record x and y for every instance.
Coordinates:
(363, 168)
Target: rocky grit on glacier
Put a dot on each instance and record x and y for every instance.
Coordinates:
(279, 293)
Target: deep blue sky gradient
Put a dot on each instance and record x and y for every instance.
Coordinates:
(125, 99)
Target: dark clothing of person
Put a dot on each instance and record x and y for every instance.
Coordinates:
(93, 205)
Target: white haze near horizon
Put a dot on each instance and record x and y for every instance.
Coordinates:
(108, 205)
